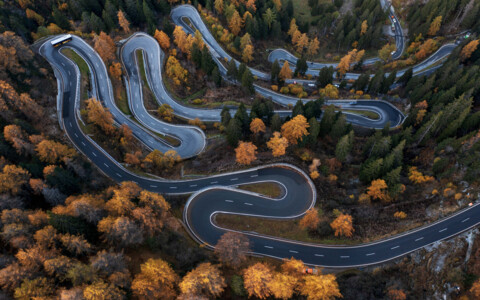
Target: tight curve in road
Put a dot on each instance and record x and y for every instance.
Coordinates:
(217, 194)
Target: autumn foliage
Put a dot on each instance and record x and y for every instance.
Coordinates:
(378, 190)
(310, 220)
(156, 280)
(257, 126)
(100, 116)
(277, 144)
(162, 39)
(343, 225)
(246, 153)
(468, 49)
(295, 129)
(232, 248)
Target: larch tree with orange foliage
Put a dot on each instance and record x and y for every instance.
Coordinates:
(295, 129)
(175, 71)
(105, 47)
(468, 49)
(320, 287)
(310, 220)
(302, 42)
(283, 285)
(313, 47)
(343, 225)
(100, 116)
(378, 190)
(182, 40)
(15, 135)
(162, 38)
(122, 20)
(116, 70)
(12, 179)
(395, 294)
(197, 122)
(232, 248)
(245, 153)
(277, 144)
(156, 280)
(205, 280)
(251, 5)
(247, 53)
(435, 26)
(257, 126)
(344, 65)
(417, 177)
(364, 27)
(475, 289)
(235, 23)
(285, 71)
(257, 280)
(293, 27)
(53, 152)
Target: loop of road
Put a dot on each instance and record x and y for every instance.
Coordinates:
(217, 194)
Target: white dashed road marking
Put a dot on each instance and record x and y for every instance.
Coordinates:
(370, 254)
(246, 203)
(395, 247)
(292, 251)
(319, 255)
(269, 247)
(344, 256)
(465, 220)
(419, 239)
(442, 230)
(230, 201)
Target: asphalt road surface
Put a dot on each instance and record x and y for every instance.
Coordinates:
(215, 194)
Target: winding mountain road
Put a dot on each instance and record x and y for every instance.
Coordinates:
(217, 194)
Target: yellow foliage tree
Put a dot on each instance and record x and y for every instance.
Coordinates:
(310, 220)
(417, 177)
(285, 72)
(343, 225)
(247, 53)
(246, 153)
(236, 23)
(166, 112)
(329, 91)
(257, 280)
(400, 215)
(313, 47)
(162, 38)
(277, 144)
(205, 280)
(283, 286)
(100, 116)
(175, 71)
(12, 179)
(378, 190)
(197, 122)
(116, 70)
(295, 129)
(156, 280)
(385, 53)
(321, 287)
(105, 47)
(475, 289)
(364, 27)
(53, 152)
(257, 126)
(468, 49)
(435, 26)
(122, 20)
(302, 42)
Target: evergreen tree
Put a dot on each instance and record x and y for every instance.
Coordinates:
(313, 109)
(234, 132)
(376, 82)
(216, 77)
(207, 62)
(60, 19)
(301, 67)
(362, 82)
(242, 117)
(343, 148)
(325, 76)
(149, 15)
(274, 72)
(226, 117)
(232, 69)
(405, 78)
(371, 170)
(247, 82)
(276, 123)
(241, 69)
(328, 118)
(298, 109)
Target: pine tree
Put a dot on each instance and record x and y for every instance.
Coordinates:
(247, 82)
(301, 67)
(232, 69)
(275, 72)
(234, 132)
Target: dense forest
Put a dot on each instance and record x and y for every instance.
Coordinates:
(69, 232)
